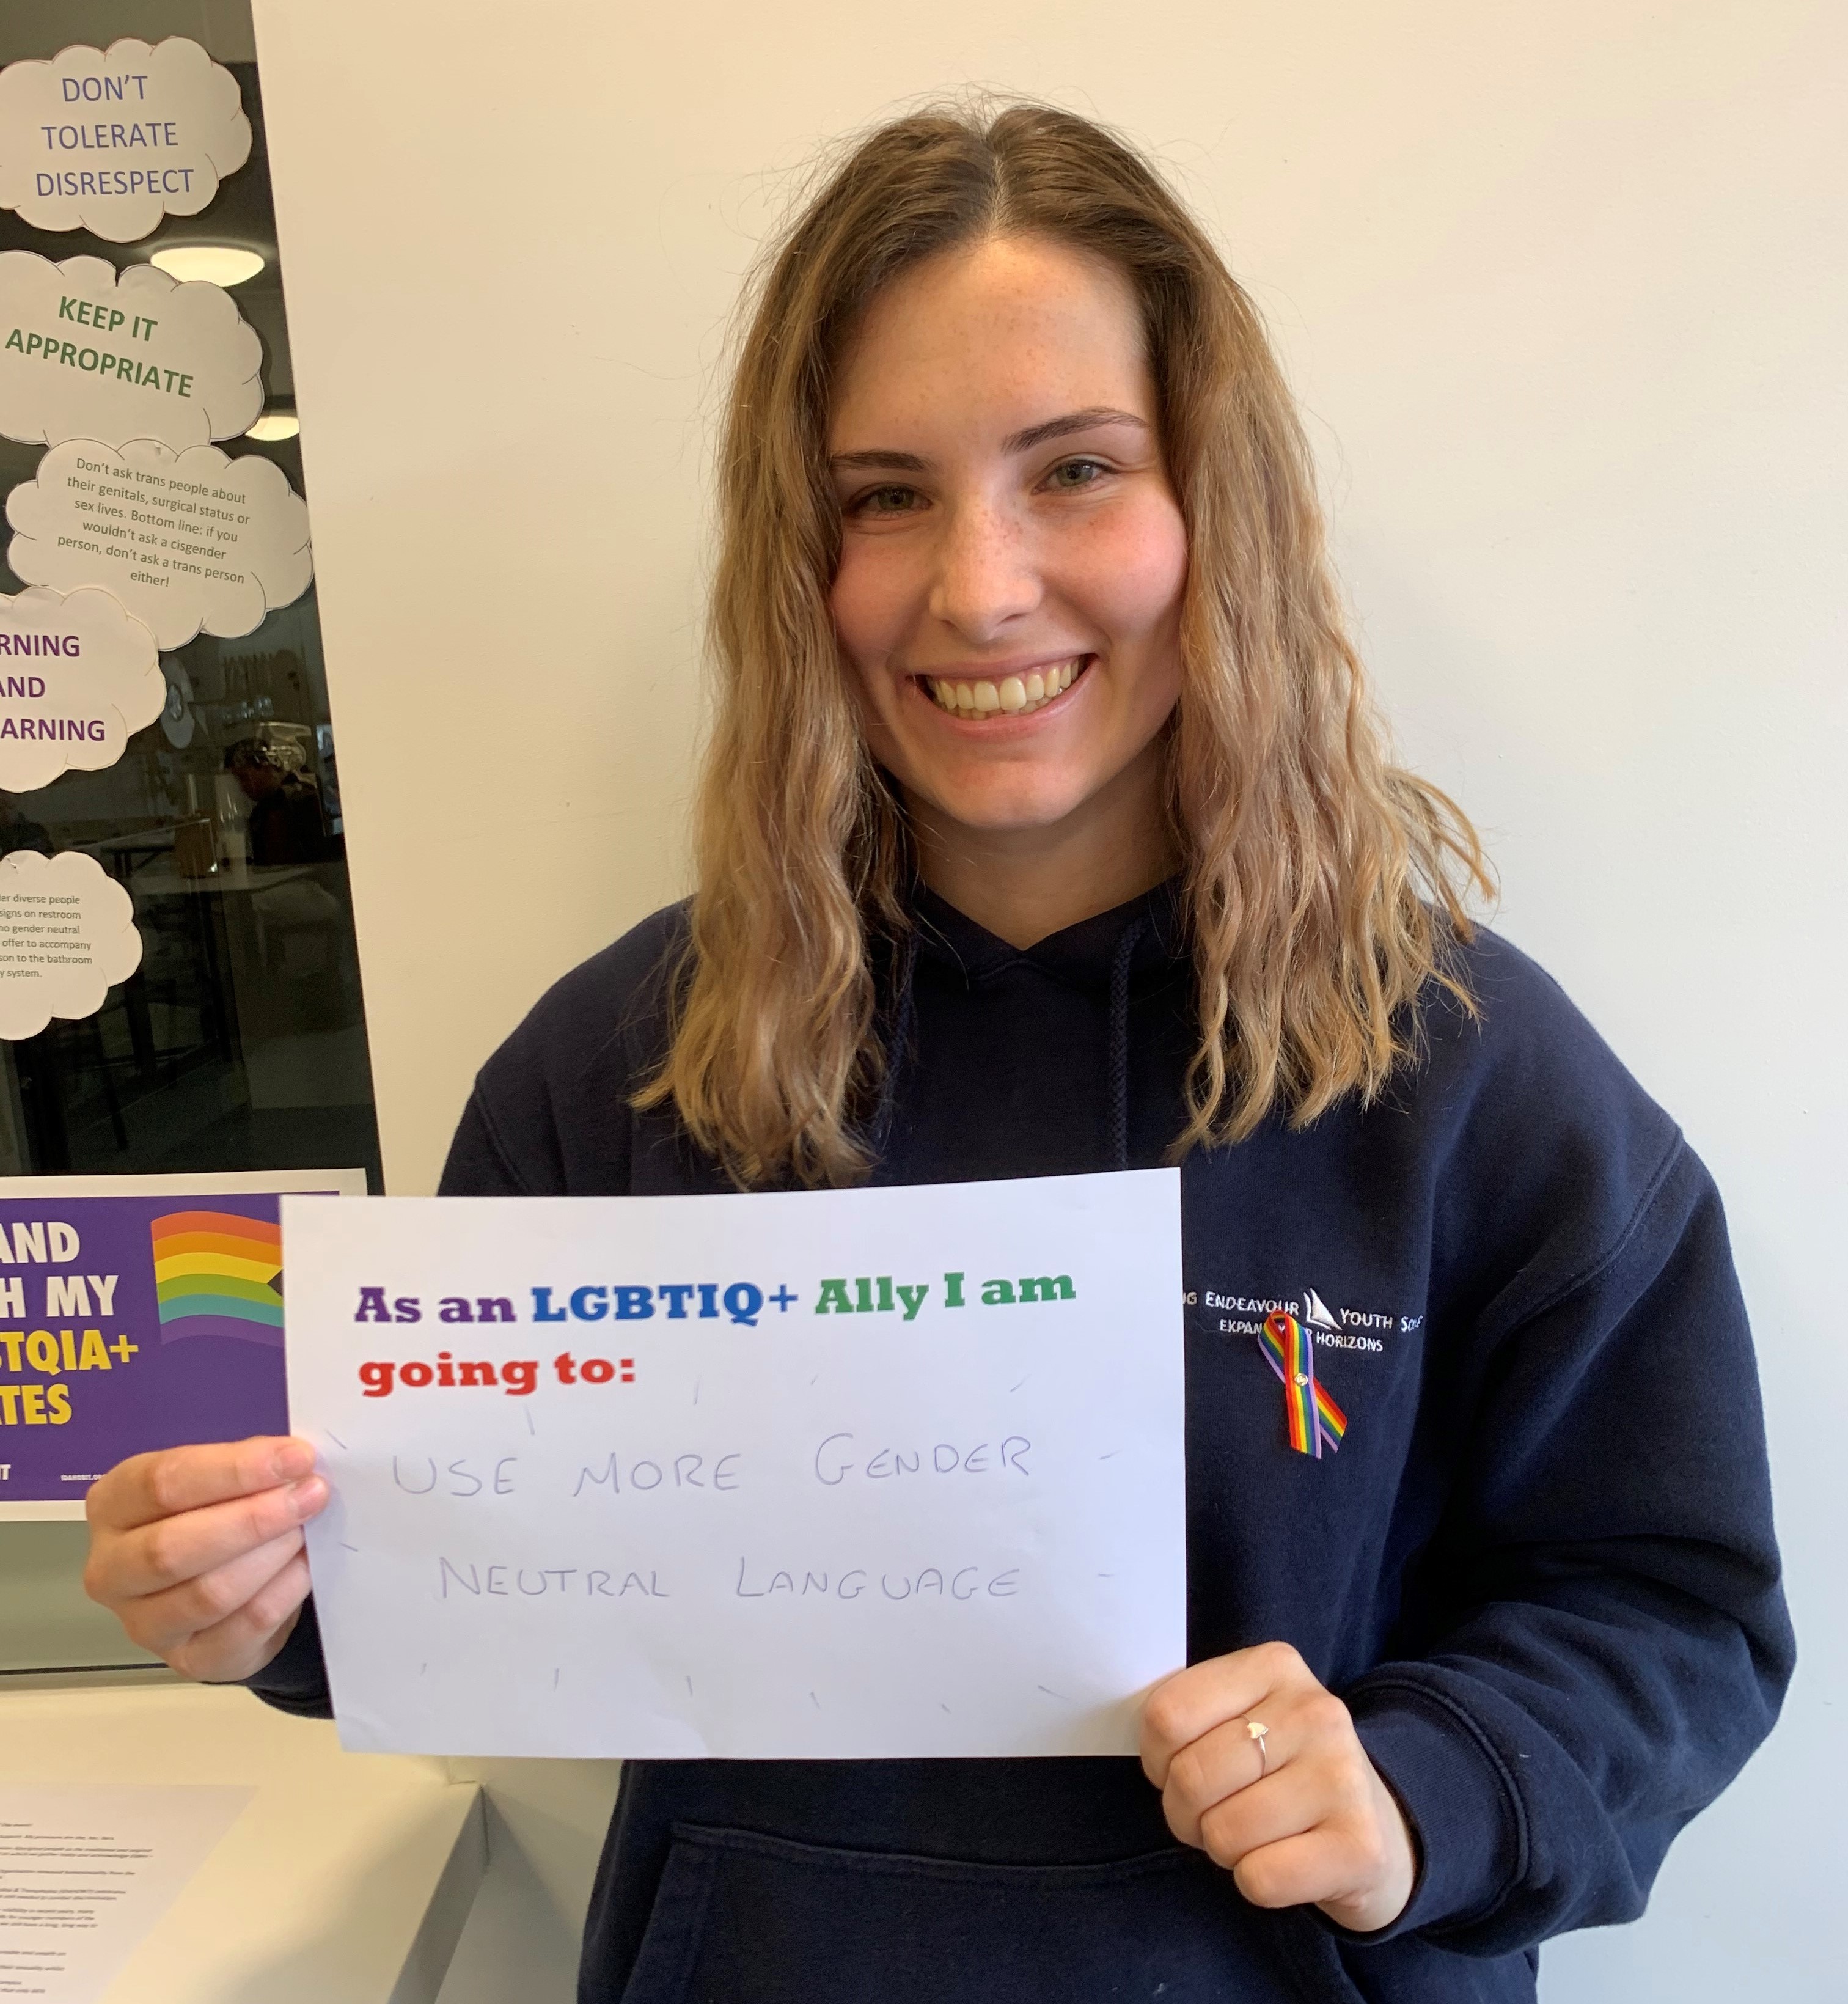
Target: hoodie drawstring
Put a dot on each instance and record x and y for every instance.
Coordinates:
(903, 1011)
(1119, 1042)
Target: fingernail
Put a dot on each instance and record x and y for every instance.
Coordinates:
(293, 1459)
(308, 1496)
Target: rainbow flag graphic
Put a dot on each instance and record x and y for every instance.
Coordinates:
(216, 1273)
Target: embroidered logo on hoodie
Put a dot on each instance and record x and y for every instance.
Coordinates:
(1358, 1329)
(1288, 1333)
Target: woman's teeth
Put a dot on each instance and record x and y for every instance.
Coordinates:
(1017, 695)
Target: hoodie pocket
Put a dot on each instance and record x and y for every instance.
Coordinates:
(740, 1918)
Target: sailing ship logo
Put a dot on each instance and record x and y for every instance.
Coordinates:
(1315, 1311)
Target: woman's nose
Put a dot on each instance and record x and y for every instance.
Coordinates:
(986, 575)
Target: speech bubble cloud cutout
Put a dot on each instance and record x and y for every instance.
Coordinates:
(79, 677)
(67, 936)
(186, 541)
(86, 354)
(110, 141)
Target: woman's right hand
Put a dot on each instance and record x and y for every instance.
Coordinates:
(198, 1551)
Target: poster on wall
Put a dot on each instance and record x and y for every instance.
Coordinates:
(138, 1312)
(188, 542)
(67, 936)
(79, 677)
(87, 353)
(113, 140)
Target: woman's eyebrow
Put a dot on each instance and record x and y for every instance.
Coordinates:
(1075, 420)
(881, 459)
(878, 458)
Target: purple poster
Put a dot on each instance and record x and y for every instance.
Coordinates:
(133, 1322)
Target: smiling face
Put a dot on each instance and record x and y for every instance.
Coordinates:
(1013, 555)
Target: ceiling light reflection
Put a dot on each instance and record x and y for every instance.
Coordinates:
(217, 263)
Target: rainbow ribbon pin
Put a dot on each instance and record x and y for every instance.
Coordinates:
(1311, 1416)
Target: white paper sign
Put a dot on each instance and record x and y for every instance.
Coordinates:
(86, 354)
(186, 541)
(856, 1474)
(77, 677)
(110, 141)
(67, 936)
(86, 1872)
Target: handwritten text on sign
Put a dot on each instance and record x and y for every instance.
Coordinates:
(871, 1473)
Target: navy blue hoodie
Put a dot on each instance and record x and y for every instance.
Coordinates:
(1540, 1569)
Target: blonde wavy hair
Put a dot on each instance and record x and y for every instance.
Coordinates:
(1323, 886)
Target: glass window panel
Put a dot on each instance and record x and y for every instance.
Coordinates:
(239, 1043)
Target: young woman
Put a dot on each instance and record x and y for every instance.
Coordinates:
(1047, 828)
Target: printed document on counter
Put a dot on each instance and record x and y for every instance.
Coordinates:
(86, 1872)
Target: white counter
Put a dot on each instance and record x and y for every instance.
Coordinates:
(346, 1881)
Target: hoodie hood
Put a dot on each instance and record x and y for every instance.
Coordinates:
(1049, 1023)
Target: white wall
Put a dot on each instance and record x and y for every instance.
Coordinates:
(1562, 288)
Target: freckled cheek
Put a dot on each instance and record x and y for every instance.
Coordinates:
(872, 601)
(1126, 575)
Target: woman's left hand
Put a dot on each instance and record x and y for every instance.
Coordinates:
(1309, 1820)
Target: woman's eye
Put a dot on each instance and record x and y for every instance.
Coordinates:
(885, 501)
(1076, 473)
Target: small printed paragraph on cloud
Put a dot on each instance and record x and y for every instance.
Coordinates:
(111, 141)
(84, 354)
(67, 936)
(186, 541)
(79, 677)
